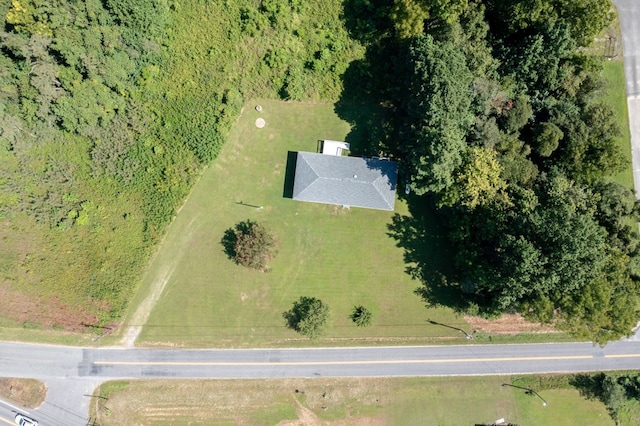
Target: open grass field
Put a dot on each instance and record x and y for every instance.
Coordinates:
(342, 256)
(391, 401)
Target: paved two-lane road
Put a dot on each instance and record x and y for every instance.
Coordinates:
(74, 371)
(629, 13)
(57, 362)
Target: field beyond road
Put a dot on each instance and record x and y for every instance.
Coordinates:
(343, 256)
(408, 401)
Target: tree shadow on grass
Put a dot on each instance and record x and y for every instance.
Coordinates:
(370, 121)
(370, 103)
(365, 102)
(427, 253)
(228, 242)
(589, 385)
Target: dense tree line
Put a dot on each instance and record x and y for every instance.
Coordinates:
(498, 124)
(618, 390)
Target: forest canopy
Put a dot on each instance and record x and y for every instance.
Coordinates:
(501, 128)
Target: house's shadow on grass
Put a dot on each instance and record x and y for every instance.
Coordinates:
(289, 174)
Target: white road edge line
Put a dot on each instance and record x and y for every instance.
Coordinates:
(22, 410)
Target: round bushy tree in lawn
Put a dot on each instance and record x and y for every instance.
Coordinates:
(308, 316)
(249, 244)
(361, 316)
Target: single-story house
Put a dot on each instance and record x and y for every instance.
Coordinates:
(347, 181)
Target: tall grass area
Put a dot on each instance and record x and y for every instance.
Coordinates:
(222, 53)
(345, 257)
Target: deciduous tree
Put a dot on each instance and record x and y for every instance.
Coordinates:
(250, 244)
(478, 181)
(309, 316)
(437, 103)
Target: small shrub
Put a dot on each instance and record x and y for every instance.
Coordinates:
(361, 316)
(31, 325)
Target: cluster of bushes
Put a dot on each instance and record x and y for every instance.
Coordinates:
(251, 245)
(310, 317)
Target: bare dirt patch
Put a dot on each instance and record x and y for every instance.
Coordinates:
(307, 417)
(143, 311)
(28, 393)
(508, 324)
(25, 301)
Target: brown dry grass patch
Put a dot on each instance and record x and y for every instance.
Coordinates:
(508, 324)
(43, 312)
(28, 393)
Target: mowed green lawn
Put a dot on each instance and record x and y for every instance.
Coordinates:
(342, 256)
(616, 98)
(450, 401)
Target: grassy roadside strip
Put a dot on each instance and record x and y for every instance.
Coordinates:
(426, 401)
(616, 98)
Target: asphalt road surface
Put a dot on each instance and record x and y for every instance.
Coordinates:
(71, 373)
(629, 13)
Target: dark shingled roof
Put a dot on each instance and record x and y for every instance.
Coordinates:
(349, 181)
